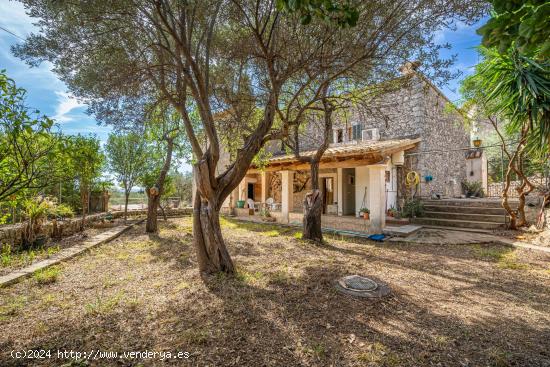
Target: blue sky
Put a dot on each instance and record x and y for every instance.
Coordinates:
(48, 94)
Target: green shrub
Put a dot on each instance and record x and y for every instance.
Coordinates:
(473, 189)
(413, 208)
(5, 255)
(64, 211)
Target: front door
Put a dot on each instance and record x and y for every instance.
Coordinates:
(349, 191)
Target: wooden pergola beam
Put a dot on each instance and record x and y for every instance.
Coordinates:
(346, 163)
(338, 160)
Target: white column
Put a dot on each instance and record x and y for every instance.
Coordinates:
(242, 191)
(286, 194)
(377, 198)
(234, 197)
(340, 190)
(264, 186)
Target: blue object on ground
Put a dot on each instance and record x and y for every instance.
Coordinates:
(377, 237)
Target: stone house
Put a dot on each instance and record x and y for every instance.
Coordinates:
(414, 128)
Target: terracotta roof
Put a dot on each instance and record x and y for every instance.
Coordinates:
(349, 149)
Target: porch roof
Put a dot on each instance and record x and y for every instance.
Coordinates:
(380, 147)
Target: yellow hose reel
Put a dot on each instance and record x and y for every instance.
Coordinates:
(412, 179)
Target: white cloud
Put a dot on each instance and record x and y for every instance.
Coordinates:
(66, 103)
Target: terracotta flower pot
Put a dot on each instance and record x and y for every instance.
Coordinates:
(366, 215)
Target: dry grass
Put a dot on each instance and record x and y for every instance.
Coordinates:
(452, 305)
(12, 260)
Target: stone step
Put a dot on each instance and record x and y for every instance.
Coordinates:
(464, 209)
(469, 217)
(484, 203)
(460, 229)
(456, 223)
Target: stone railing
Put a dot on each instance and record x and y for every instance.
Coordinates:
(12, 234)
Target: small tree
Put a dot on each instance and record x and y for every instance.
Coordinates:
(85, 162)
(126, 156)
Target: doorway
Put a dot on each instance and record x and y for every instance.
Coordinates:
(250, 189)
(327, 192)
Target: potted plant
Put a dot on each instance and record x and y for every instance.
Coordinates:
(413, 208)
(241, 203)
(477, 142)
(392, 212)
(365, 212)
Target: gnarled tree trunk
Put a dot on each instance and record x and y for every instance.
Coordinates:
(153, 200)
(153, 196)
(313, 208)
(212, 253)
(505, 203)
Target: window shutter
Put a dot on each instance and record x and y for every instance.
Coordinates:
(357, 132)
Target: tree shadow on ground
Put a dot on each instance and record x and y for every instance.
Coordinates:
(312, 324)
(283, 310)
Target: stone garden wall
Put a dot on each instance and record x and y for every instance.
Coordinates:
(12, 234)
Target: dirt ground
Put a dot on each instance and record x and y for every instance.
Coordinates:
(452, 305)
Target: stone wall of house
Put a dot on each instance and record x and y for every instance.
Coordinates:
(443, 136)
(12, 234)
(418, 109)
(396, 114)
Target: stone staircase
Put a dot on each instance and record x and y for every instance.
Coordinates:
(472, 214)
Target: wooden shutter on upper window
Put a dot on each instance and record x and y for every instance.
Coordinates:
(357, 132)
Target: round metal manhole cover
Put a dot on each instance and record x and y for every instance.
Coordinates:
(358, 283)
(359, 286)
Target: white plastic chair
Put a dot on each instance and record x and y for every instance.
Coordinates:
(250, 203)
(271, 204)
